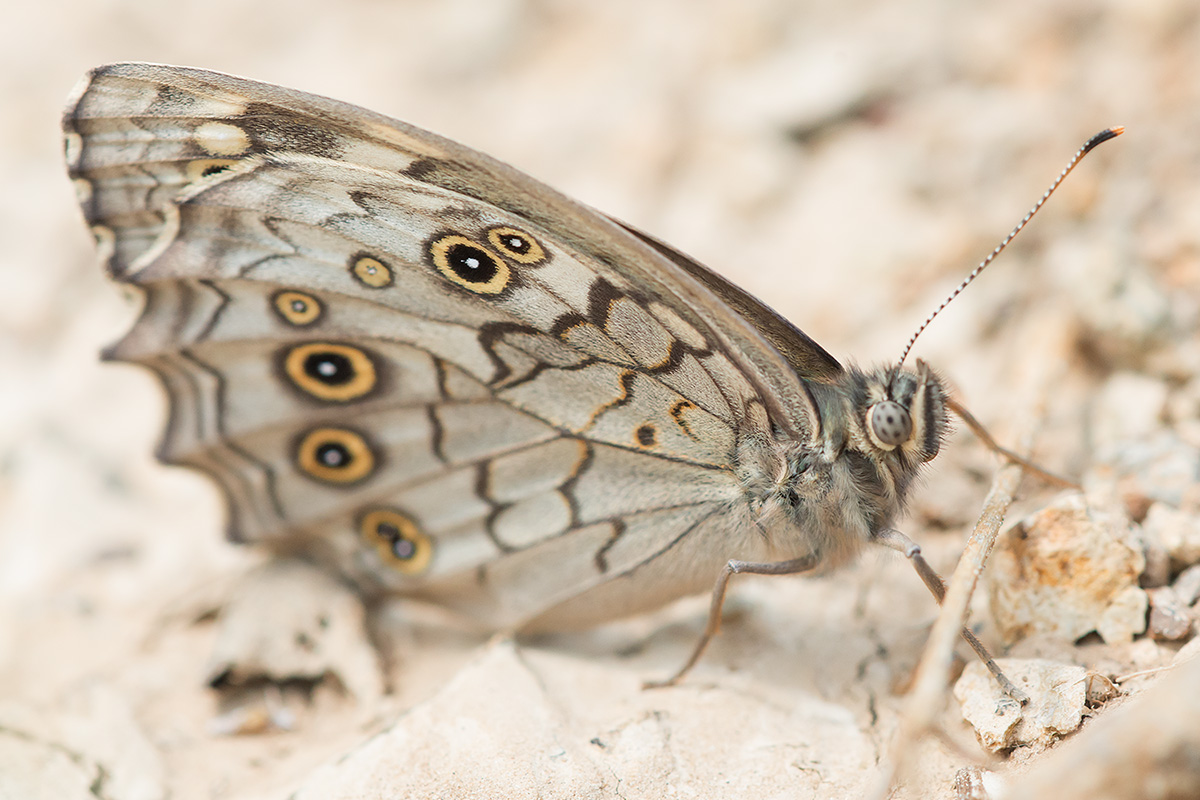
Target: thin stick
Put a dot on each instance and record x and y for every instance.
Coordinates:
(1142, 673)
(925, 701)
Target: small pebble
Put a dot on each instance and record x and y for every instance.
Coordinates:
(1187, 585)
(1170, 619)
(1177, 531)
(1057, 692)
(1066, 571)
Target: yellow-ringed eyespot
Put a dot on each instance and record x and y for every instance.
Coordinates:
(397, 539)
(517, 245)
(335, 455)
(469, 265)
(296, 308)
(370, 271)
(338, 373)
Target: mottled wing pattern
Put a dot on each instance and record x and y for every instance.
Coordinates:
(411, 362)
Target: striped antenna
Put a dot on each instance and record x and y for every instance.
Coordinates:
(1088, 146)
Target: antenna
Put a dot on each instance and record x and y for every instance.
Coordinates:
(1088, 146)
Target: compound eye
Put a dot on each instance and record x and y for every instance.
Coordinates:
(891, 426)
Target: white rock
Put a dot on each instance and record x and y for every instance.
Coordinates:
(1187, 585)
(101, 723)
(519, 723)
(42, 770)
(288, 620)
(1057, 697)
(1066, 571)
(1128, 406)
(1124, 617)
(1169, 617)
(1177, 530)
(90, 746)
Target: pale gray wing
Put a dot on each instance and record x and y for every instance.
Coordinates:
(414, 363)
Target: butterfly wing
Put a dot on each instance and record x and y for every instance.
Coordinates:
(418, 365)
(806, 359)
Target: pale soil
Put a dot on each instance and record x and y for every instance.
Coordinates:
(849, 162)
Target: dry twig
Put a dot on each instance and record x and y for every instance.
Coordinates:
(925, 702)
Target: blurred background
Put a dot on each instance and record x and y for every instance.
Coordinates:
(847, 162)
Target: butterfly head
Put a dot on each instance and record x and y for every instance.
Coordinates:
(899, 412)
(849, 477)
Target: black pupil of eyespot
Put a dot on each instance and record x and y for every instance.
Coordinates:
(645, 435)
(470, 263)
(331, 369)
(333, 455)
(402, 548)
(299, 306)
(517, 244)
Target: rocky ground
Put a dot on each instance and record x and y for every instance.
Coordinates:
(850, 163)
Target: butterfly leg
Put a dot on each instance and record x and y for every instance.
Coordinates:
(897, 541)
(731, 568)
(990, 443)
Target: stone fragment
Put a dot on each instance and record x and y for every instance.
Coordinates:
(1177, 531)
(1187, 585)
(1124, 617)
(289, 621)
(1068, 570)
(1057, 692)
(1145, 748)
(970, 783)
(1170, 619)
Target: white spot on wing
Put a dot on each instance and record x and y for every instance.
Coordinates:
(222, 139)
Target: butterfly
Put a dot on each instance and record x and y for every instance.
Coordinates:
(419, 368)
